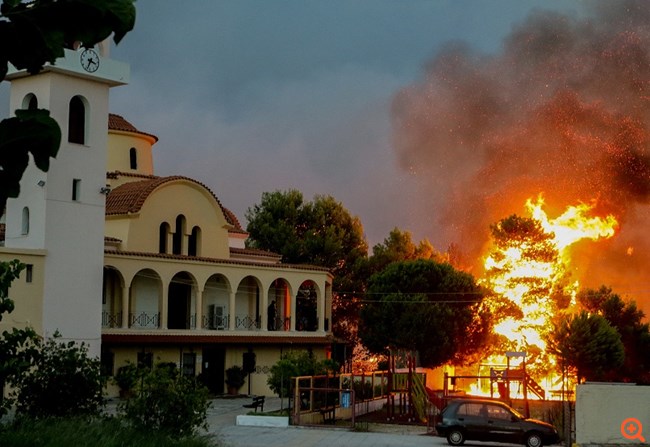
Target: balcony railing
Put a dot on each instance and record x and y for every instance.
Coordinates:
(144, 320)
(247, 323)
(280, 324)
(218, 323)
(111, 320)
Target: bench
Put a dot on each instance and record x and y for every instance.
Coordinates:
(329, 414)
(258, 401)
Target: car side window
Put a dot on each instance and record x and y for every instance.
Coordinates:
(470, 409)
(496, 412)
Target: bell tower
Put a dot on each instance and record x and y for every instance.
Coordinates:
(60, 213)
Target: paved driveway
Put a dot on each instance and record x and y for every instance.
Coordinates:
(223, 413)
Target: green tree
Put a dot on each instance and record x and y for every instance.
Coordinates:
(627, 319)
(322, 233)
(31, 35)
(426, 306)
(399, 246)
(296, 364)
(62, 381)
(586, 345)
(168, 402)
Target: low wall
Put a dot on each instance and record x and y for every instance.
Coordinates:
(602, 409)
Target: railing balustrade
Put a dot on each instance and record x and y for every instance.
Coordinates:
(219, 323)
(144, 320)
(247, 323)
(280, 324)
(111, 320)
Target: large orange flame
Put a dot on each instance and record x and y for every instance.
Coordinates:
(530, 277)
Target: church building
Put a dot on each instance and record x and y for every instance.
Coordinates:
(143, 268)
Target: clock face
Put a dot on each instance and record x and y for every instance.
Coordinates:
(90, 60)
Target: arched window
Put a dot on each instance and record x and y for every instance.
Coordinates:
(179, 234)
(30, 102)
(194, 242)
(164, 232)
(25, 223)
(77, 121)
(133, 157)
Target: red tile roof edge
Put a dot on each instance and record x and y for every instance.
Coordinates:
(117, 122)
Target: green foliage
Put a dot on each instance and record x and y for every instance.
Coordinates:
(63, 381)
(127, 376)
(399, 246)
(168, 402)
(90, 433)
(33, 34)
(235, 377)
(296, 364)
(322, 233)
(587, 345)
(425, 306)
(17, 347)
(627, 319)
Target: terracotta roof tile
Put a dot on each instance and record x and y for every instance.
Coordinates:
(117, 122)
(254, 252)
(129, 197)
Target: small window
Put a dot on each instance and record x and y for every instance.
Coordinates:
(179, 233)
(193, 242)
(162, 242)
(189, 364)
(107, 362)
(133, 158)
(30, 102)
(29, 273)
(76, 189)
(24, 230)
(77, 121)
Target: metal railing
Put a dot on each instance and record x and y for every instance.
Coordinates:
(144, 320)
(111, 320)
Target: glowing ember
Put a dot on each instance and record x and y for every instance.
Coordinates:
(528, 267)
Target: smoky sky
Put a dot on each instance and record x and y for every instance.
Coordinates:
(561, 110)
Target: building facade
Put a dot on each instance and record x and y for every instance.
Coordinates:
(143, 268)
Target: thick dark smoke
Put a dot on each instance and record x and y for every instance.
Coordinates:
(562, 110)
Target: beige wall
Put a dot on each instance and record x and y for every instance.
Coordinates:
(27, 297)
(119, 157)
(141, 232)
(602, 407)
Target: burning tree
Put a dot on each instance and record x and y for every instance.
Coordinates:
(528, 270)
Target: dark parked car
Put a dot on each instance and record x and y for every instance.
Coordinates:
(488, 420)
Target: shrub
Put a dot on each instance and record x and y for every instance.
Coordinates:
(126, 377)
(167, 402)
(96, 433)
(62, 381)
(235, 377)
(295, 364)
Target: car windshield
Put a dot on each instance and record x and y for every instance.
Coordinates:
(518, 414)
